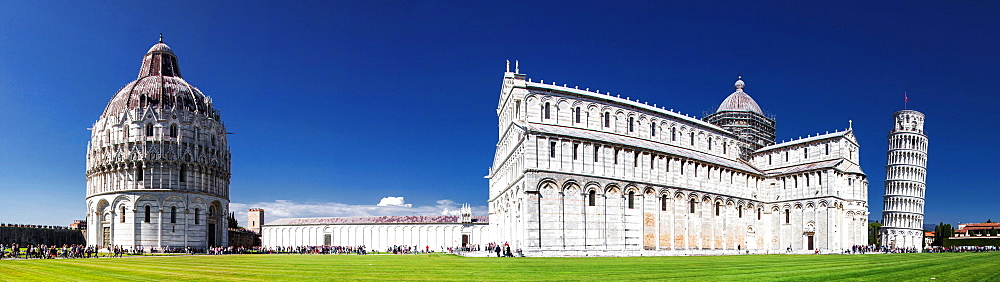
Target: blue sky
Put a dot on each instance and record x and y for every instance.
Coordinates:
(338, 105)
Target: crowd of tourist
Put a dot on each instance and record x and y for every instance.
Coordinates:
(963, 249)
(15, 251)
(50, 252)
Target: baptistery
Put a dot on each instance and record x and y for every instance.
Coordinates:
(158, 164)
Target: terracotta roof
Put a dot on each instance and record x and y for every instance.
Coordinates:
(983, 224)
(411, 219)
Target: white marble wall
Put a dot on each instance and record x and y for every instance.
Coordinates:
(377, 237)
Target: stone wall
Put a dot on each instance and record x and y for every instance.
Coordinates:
(48, 236)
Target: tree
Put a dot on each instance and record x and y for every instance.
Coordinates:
(989, 221)
(873, 232)
(232, 221)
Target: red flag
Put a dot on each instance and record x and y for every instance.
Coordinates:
(906, 99)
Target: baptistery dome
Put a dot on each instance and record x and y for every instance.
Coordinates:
(160, 86)
(158, 164)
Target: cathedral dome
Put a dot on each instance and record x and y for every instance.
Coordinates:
(739, 101)
(160, 86)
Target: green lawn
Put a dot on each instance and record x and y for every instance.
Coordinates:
(892, 267)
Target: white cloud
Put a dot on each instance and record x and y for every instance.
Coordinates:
(393, 201)
(279, 209)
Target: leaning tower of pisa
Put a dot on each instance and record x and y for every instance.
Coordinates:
(905, 182)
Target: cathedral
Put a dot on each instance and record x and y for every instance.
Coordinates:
(158, 164)
(584, 173)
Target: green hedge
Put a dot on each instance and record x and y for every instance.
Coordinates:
(972, 241)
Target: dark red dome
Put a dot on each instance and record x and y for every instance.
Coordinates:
(160, 86)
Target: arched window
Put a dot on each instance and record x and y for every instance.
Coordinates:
(577, 114)
(709, 143)
(607, 119)
(805, 153)
(740, 211)
(759, 211)
(692, 138)
(636, 163)
(673, 134)
(631, 123)
(173, 130)
(183, 173)
(546, 110)
(828, 149)
(724, 147)
(146, 220)
(138, 174)
(149, 129)
(197, 215)
(691, 203)
(663, 203)
(786, 156)
(652, 129)
(592, 198)
(121, 216)
(769, 157)
(173, 214)
(616, 156)
(631, 199)
(788, 217)
(718, 209)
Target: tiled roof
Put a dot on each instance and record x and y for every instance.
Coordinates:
(159, 85)
(803, 140)
(410, 219)
(639, 143)
(739, 101)
(805, 167)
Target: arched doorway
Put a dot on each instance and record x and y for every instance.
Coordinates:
(214, 222)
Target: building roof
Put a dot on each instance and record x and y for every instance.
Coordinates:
(739, 101)
(159, 85)
(804, 140)
(977, 226)
(629, 102)
(804, 167)
(639, 143)
(409, 219)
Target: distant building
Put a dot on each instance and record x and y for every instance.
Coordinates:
(377, 233)
(158, 163)
(905, 182)
(977, 230)
(255, 221)
(79, 225)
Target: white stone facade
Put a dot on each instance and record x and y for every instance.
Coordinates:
(905, 182)
(377, 233)
(580, 173)
(158, 164)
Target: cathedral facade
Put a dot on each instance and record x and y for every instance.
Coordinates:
(578, 172)
(158, 164)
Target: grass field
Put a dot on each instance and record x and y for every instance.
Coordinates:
(877, 267)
